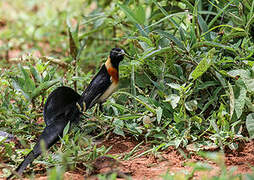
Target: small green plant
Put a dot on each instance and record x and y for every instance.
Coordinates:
(34, 82)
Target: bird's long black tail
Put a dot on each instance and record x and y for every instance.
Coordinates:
(50, 136)
(29, 158)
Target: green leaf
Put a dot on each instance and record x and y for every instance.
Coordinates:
(29, 85)
(165, 13)
(174, 86)
(118, 123)
(173, 99)
(73, 39)
(50, 74)
(159, 114)
(43, 86)
(219, 13)
(18, 84)
(214, 44)
(240, 102)
(35, 74)
(239, 72)
(249, 83)
(119, 131)
(191, 105)
(182, 34)
(207, 84)
(153, 52)
(171, 37)
(72, 44)
(204, 28)
(250, 125)
(231, 100)
(140, 14)
(66, 129)
(130, 15)
(197, 119)
(146, 40)
(140, 100)
(212, 99)
(249, 104)
(203, 65)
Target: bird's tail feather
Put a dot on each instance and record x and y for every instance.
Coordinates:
(28, 159)
(49, 135)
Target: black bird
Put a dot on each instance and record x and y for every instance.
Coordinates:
(105, 82)
(59, 109)
(65, 105)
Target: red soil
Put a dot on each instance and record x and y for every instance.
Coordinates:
(153, 165)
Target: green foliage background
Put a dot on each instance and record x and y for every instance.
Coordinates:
(188, 77)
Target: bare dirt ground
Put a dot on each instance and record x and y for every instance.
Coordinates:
(152, 166)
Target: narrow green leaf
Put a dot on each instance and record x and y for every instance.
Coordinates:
(159, 114)
(213, 99)
(204, 27)
(219, 14)
(207, 84)
(153, 52)
(43, 86)
(213, 44)
(165, 13)
(240, 102)
(203, 65)
(146, 40)
(72, 45)
(50, 74)
(66, 129)
(171, 37)
(165, 18)
(29, 85)
(250, 17)
(188, 4)
(250, 125)
(18, 84)
(148, 107)
(128, 117)
(130, 15)
(231, 100)
(182, 34)
(35, 74)
(81, 48)
(174, 86)
(133, 86)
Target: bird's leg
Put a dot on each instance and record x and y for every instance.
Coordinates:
(79, 107)
(100, 107)
(82, 110)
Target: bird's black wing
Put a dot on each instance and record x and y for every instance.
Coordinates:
(58, 103)
(96, 88)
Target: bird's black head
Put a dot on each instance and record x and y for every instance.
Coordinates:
(116, 56)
